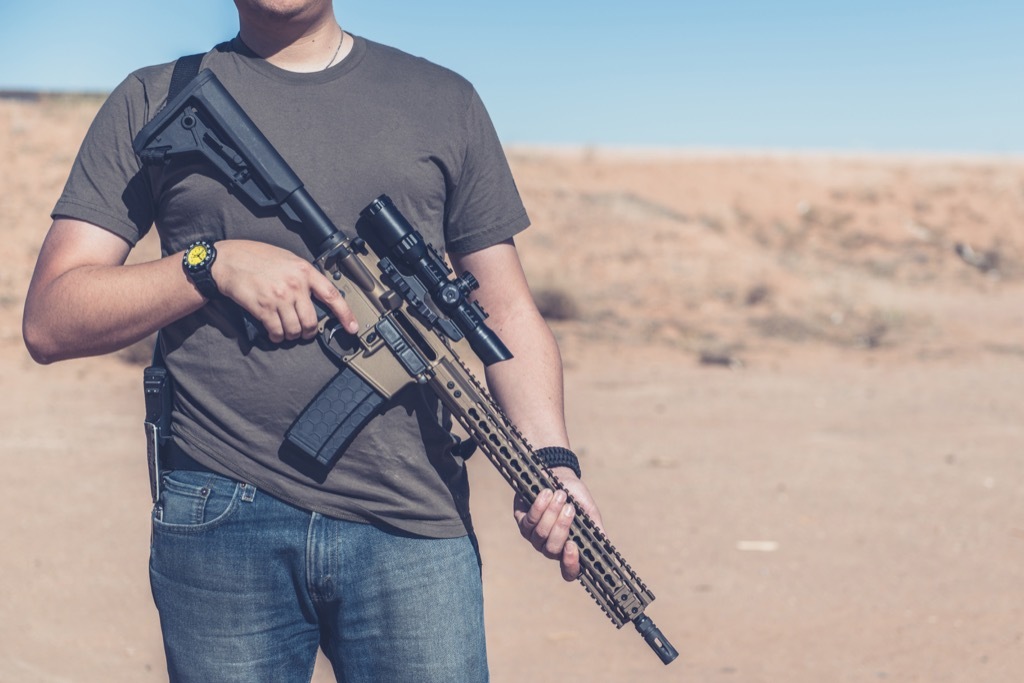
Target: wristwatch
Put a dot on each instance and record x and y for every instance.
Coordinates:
(199, 257)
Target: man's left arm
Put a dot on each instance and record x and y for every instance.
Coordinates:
(529, 388)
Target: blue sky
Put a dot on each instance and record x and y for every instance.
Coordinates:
(869, 75)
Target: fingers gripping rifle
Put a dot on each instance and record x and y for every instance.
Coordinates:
(416, 322)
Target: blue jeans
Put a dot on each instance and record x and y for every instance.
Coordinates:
(248, 587)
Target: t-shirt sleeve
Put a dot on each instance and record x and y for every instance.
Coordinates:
(107, 185)
(484, 206)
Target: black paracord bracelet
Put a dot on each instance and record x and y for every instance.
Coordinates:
(555, 456)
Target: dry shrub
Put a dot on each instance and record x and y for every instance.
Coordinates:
(786, 327)
(140, 353)
(758, 294)
(556, 304)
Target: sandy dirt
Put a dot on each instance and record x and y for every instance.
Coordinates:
(794, 380)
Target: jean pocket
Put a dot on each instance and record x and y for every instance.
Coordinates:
(194, 501)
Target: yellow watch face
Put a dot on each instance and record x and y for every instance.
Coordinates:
(197, 255)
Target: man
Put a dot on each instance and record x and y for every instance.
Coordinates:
(255, 562)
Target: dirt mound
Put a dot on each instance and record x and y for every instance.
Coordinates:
(707, 252)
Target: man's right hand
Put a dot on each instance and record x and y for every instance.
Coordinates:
(276, 287)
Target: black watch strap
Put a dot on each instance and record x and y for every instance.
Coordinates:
(197, 261)
(205, 284)
(556, 456)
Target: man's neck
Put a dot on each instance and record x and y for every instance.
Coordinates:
(300, 44)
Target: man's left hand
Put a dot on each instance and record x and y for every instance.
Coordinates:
(546, 523)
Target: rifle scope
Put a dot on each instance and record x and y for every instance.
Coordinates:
(405, 244)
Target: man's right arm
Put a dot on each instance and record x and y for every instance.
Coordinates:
(84, 301)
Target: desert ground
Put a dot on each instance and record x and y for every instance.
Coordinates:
(795, 381)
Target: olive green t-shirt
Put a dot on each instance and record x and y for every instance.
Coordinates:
(379, 122)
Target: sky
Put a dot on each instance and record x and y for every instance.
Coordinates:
(945, 77)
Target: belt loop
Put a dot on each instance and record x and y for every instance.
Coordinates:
(248, 492)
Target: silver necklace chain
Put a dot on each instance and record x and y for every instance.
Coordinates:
(337, 50)
(335, 56)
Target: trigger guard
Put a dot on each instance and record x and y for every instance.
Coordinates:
(326, 331)
(328, 336)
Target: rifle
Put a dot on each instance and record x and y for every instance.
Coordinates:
(422, 324)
